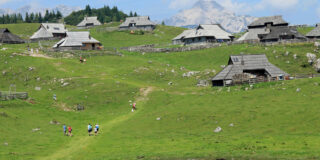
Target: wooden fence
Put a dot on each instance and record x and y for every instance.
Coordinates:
(4, 96)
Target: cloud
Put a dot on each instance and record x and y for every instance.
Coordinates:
(235, 6)
(318, 12)
(180, 4)
(4, 1)
(277, 4)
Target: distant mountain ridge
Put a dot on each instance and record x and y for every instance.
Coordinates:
(210, 12)
(65, 10)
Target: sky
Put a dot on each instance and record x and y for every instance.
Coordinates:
(294, 11)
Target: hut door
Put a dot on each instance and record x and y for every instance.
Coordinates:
(93, 47)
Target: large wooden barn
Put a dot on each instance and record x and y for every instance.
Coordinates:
(138, 23)
(89, 22)
(7, 37)
(248, 69)
(211, 33)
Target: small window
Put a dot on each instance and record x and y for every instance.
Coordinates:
(235, 59)
(56, 28)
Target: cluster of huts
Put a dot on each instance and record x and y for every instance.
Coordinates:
(75, 40)
(264, 29)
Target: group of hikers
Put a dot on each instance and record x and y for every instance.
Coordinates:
(68, 130)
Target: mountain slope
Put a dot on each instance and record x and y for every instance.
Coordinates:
(210, 12)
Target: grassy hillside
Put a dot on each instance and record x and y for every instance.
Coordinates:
(305, 30)
(24, 30)
(268, 121)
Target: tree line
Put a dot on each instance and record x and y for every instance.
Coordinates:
(105, 15)
(50, 16)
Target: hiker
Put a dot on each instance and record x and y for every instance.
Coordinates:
(81, 60)
(89, 129)
(70, 131)
(134, 107)
(96, 129)
(55, 97)
(64, 129)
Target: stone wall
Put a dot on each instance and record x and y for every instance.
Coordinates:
(4, 96)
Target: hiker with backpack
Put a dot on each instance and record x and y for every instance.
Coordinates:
(134, 107)
(70, 131)
(89, 129)
(96, 129)
(64, 129)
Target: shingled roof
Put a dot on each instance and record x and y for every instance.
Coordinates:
(253, 33)
(75, 39)
(315, 32)
(275, 20)
(279, 31)
(46, 30)
(139, 21)
(239, 63)
(89, 20)
(208, 30)
(7, 37)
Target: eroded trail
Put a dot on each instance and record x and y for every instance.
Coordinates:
(82, 142)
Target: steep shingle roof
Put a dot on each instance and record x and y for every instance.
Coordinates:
(89, 20)
(315, 32)
(7, 37)
(41, 33)
(139, 21)
(211, 30)
(239, 63)
(75, 39)
(54, 27)
(276, 20)
(253, 33)
(277, 32)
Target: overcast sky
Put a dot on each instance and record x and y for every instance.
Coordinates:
(294, 11)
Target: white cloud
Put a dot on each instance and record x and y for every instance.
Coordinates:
(277, 4)
(180, 4)
(236, 7)
(4, 1)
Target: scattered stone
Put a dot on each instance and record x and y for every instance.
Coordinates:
(4, 49)
(317, 44)
(189, 74)
(287, 62)
(149, 62)
(38, 79)
(231, 125)
(6, 143)
(217, 130)
(54, 122)
(4, 73)
(37, 88)
(277, 57)
(202, 83)
(287, 53)
(168, 65)
(182, 68)
(64, 84)
(35, 129)
(246, 89)
(266, 48)
(311, 58)
(298, 89)
(316, 84)
(4, 114)
(274, 51)
(223, 66)
(31, 68)
(143, 53)
(159, 118)
(295, 56)
(317, 65)
(170, 83)
(79, 107)
(172, 71)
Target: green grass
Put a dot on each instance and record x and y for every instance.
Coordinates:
(23, 30)
(305, 30)
(271, 120)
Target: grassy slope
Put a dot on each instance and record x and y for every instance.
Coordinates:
(270, 121)
(24, 30)
(305, 30)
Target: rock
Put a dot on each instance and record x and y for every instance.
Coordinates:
(317, 65)
(149, 62)
(4, 49)
(143, 53)
(217, 130)
(316, 84)
(311, 58)
(35, 129)
(298, 89)
(287, 53)
(38, 79)
(64, 84)
(31, 68)
(54, 122)
(79, 107)
(159, 118)
(202, 83)
(189, 74)
(4, 73)
(172, 71)
(223, 66)
(231, 125)
(4, 114)
(295, 56)
(274, 51)
(37, 88)
(170, 83)
(168, 65)
(287, 62)
(317, 44)
(6, 143)
(182, 68)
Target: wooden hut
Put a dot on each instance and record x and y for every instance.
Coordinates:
(248, 69)
(77, 41)
(281, 33)
(7, 37)
(138, 23)
(89, 22)
(315, 33)
(48, 31)
(211, 33)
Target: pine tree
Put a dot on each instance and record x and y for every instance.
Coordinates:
(40, 18)
(162, 23)
(31, 17)
(46, 16)
(27, 19)
(135, 14)
(131, 14)
(88, 10)
(59, 15)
